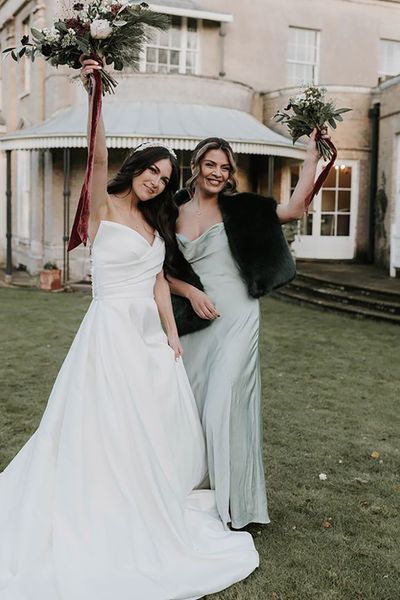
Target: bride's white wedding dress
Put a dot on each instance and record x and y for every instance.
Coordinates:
(99, 504)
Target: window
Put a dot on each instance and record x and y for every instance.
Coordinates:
(174, 50)
(26, 64)
(389, 58)
(336, 202)
(303, 57)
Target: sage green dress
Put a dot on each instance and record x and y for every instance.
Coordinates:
(222, 362)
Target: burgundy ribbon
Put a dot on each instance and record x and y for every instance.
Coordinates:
(79, 232)
(325, 172)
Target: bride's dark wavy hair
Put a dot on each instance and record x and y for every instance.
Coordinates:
(159, 212)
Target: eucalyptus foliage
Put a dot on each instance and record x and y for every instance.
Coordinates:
(308, 111)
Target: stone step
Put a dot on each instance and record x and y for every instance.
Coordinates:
(356, 288)
(290, 294)
(336, 293)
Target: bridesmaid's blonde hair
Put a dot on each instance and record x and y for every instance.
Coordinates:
(212, 143)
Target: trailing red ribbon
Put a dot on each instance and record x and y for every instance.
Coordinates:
(79, 232)
(325, 172)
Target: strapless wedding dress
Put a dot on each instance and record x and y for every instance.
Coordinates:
(100, 504)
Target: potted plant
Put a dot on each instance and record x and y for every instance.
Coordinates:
(50, 277)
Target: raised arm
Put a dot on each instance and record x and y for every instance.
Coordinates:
(98, 206)
(296, 207)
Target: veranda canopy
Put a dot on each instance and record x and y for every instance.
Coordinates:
(181, 126)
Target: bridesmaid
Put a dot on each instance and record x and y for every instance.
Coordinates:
(234, 252)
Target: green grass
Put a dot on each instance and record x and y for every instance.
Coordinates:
(331, 389)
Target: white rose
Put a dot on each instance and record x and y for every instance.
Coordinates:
(100, 29)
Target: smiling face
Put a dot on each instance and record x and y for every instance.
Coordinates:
(153, 180)
(215, 170)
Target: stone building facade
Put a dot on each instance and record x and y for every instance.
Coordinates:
(387, 222)
(222, 69)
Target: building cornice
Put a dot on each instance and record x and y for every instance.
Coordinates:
(377, 3)
(334, 89)
(389, 83)
(192, 13)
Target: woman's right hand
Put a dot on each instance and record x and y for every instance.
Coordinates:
(88, 67)
(202, 305)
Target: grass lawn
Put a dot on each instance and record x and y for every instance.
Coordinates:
(331, 399)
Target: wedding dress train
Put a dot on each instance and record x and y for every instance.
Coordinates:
(100, 504)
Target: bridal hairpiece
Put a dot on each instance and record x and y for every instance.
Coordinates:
(146, 145)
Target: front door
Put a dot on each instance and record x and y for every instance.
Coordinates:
(329, 230)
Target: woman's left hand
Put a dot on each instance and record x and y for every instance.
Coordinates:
(88, 67)
(175, 343)
(312, 151)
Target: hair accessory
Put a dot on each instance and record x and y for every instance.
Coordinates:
(146, 145)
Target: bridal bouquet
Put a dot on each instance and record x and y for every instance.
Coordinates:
(110, 31)
(310, 110)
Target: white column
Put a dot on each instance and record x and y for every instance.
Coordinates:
(23, 193)
(36, 213)
(2, 207)
(47, 202)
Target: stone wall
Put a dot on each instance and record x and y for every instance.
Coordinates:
(257, 39)
(388, 94)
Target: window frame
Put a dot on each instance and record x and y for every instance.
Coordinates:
(336, 212)
(381, 73)
(315, 65)
(183, 51)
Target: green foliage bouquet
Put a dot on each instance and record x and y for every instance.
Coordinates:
(310, 110)
(111, 31)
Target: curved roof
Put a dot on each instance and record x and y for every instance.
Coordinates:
(180, 125)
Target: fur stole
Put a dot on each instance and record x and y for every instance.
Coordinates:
(257, 244)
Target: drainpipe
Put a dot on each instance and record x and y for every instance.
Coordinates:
(271, 173)
(8, 277)
(374, 115)
(222, 34)
(66, 197)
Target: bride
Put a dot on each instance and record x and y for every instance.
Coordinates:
(100, 504)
